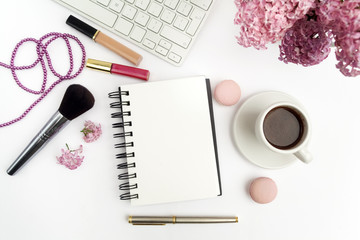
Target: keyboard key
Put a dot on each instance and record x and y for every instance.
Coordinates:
(154, 25)
(138, 34)
(123, 26)
(116, 5)
(165, 44)
(148, 43)
(142, 19)
(155, 9)
(168, 16)
(184, 9)
(129, 12)
(171, 3)
(174, 57)
(181, 23)
(130, 1)
(161, 50)
(204, 4)
(94, 10)
(175, 36)
(142, 4)
(104, 2)
(196, 17)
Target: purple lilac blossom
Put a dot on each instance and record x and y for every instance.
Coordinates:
(307, 43)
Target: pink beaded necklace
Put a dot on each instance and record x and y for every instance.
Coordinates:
(41, 49)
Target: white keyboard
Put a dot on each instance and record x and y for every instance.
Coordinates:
(166, 28)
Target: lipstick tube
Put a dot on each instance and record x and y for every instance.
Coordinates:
(104, 40)
(118, 69)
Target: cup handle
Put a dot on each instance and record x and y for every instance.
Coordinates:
(304, 155)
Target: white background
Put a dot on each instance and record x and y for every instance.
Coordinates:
(47, 201)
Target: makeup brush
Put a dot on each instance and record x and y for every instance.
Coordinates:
(77, 100)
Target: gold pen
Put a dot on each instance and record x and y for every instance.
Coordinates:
(155, 220)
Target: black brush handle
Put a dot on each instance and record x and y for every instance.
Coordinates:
(56, 122)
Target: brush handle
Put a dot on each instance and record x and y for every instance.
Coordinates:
(56, 122)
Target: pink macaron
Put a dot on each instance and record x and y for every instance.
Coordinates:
(263, 190)
(227, 92)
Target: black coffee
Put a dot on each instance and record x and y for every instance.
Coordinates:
(283, 127)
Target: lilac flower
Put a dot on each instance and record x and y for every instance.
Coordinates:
(348, 53)
(262, 22)
(307, 43)
(91, 131)
(338, 15)
(343, 18)
(71, 158)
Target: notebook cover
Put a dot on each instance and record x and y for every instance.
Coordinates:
(211, 111)
(173, 132)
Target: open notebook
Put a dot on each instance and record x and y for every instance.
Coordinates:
(166, 140)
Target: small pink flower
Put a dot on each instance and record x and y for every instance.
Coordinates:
(71, 158)
(91, 131)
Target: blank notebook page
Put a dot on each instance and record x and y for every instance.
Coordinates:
(174, 141)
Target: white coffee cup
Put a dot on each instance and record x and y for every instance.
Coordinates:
(275, 128)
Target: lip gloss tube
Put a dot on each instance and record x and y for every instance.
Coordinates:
(118, 69)
(104, 40)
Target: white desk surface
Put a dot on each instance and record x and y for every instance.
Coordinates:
(47, 201)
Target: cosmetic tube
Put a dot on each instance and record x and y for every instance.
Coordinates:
(118, 69)
(104, 40)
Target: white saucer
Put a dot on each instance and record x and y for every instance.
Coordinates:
(244, 131)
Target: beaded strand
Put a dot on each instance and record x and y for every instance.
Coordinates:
(42, 53)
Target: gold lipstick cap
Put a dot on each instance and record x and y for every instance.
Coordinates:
(98, 65)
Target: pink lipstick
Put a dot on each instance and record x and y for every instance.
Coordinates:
(118, 69)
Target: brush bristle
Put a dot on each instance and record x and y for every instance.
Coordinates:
(77, 100)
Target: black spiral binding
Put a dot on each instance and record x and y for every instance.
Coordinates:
(126, 186)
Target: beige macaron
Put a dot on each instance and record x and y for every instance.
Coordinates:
(263, 190)
(227, 92)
